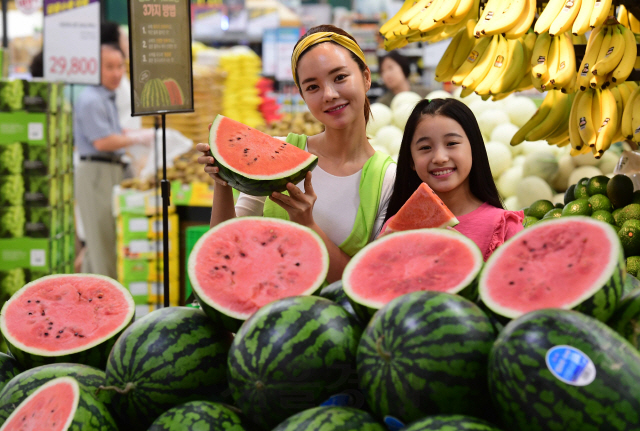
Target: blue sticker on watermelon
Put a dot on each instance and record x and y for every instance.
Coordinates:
(570, 365)
(340, 400)
(393, 424)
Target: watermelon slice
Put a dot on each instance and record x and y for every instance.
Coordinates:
(244, 263)
(254, 162)
(417, 260)
(66, 318)
(59, 405)
(424, 209)
(568, 263)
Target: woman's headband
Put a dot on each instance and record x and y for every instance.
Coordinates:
(320, 37)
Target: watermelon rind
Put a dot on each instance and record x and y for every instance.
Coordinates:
(626, 319)
(466, 288)
(256, 185)
(94, 353)
(599, 300)
(529, 397)
(198, 416)
(426, 353)
(450, 423)
(330, 419)
(8, 370)
(230, 318)
(291, 355)
(335, 293)
(166, 358)
(88, 414)
(23, 384)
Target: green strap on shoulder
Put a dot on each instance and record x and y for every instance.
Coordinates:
(370, 189)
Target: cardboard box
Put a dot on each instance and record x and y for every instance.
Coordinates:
(43, 222)
(131, 270)
(41, 159)
(27, 127)
(40, 255)
(43, 190)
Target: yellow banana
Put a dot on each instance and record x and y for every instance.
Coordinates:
(578, 40)
(623, 16)
(505, 19)
(625, 92)
(566, 71)
(472, 59)
(418, 6)
(539, 60)
(608, 123)
(635, 120)
(445, 68)
(553, 62)
(491, 9)
(547, 16)
(396, 44)
(557, 117)
(596, 114)
(446, 10)
(497, 69)
(586, 127)
(597, 81)
(566, 17)
(501, 96)
(525, 83)
(626, 128)
(513, 69)
(536, 119)
(625, 67)
(466, 44)
(523, 23)
(396, 18)
(574, 128)
(590, 57)
(620, 109)
(612, 55)
(600, 13)
(428, 23)
(634, 23)
(581, 23)
(585, 150)
(463, 12)
(483, 67)
(417, 20)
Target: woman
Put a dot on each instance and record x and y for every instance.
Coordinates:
(346, 204)
(394, 71)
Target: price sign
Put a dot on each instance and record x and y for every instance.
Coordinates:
(160, 56)
(71, 47)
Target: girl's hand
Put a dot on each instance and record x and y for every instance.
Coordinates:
(298, 205)
(207, 161)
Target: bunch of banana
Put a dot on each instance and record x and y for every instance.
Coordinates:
(511, 18)
(427, 21)
(553, 63)
(577, 16)
(597, 118)
(550, 122)
(630, 121)
(628, 20)
(609, 58)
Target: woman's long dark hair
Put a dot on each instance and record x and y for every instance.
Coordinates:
(480, 179)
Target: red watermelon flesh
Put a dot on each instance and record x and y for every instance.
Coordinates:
(424, 209)
(175, 93)
(62, 314)
(245, 263)
(417, 260)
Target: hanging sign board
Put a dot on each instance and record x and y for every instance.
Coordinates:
(160, 56)
(71, 47)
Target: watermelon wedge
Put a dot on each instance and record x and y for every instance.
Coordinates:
(424, 209)
(568, 263)
(66, 318)
(244, 263)
(417, 260)
(254, 162)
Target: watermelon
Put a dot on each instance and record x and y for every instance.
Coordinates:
(291, 355)
(198, 416)
(59, 405)
(8, 369)
(335, 293)
(166, 358)
(155, 94)
(626, 319)
(631, 283)
(176, 97)
(330, 419)
(424, 209)
(24, 384)
(424, 259)
(246, 262)
(450, 423)
(569, 263)
(66, 318)
(426, 353)
(562, 370)
(253, 162)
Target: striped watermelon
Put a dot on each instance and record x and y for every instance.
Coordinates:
(450, 423)
(426, 353)
(330, 419)
(24, 384)
(626, 319)
(166, 358)
(60, 404)
(291, 355)
(175, 92)
(155, 94)
(335, 293)
(8, 369)
(569, 263)
(253, 162)
(594, 383)
(198, 416)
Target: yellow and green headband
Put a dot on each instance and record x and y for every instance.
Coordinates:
(320, 37)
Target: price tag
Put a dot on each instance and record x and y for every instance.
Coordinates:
(72, 41)
(35, 131)
(38, 258)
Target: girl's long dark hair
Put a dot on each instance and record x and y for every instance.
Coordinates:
(480, 179)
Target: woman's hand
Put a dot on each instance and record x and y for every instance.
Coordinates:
(207, 161)
(298, 205)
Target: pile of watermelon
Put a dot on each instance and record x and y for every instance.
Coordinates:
(420, 334)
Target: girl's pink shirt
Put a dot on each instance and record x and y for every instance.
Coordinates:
(489, 227)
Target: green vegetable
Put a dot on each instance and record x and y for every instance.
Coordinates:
(11, 190)
(12, 220)
(11, 158)
(11, 95)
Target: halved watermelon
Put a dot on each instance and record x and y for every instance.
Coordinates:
(424, 209)
(66, 318)
(244, 263)
(254, 162)
(425, 259)
(568, 263)
(59, 405)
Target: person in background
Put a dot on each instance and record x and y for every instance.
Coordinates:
(395, 70)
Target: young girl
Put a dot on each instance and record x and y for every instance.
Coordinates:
(443, 147)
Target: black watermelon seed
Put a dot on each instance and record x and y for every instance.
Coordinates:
(297, 263)
(242, 254)
(81, 336)
(215, 267)
(46, 334)
(30, 314)
(570, 265)
(521, 269)
(511, 283)
(57, 336)
(61, 331)
(76, 334)
(226, 256)
(43, 313)
(37, 301)
(29, 301)
(90, 299)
